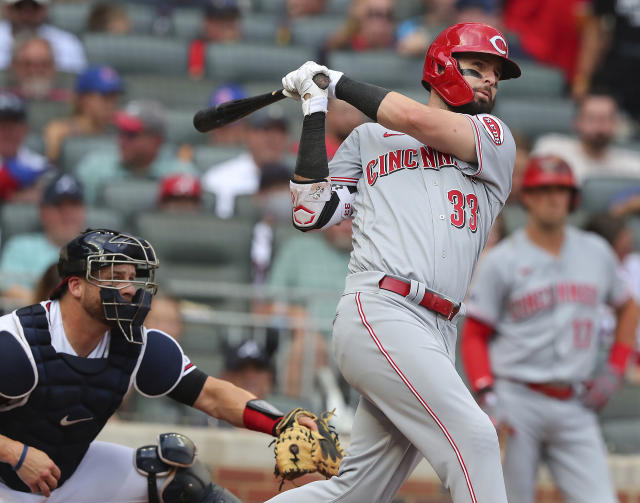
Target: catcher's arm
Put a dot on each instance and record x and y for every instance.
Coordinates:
(224, 400)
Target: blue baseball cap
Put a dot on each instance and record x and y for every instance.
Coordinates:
(99, 79)
(227, 92)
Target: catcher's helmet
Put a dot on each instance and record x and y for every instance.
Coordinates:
(549, 170)
(441, 71)
(96, 249)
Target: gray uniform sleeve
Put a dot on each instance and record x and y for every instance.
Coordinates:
(489, 288)
(618, 290)
(346, 166)
(496, 153)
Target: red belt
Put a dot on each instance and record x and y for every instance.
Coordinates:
(558, 391)
(431, 301)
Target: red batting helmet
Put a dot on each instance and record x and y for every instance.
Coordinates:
(549, 170)
(441, 71)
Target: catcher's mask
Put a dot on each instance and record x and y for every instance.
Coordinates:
(94, 255)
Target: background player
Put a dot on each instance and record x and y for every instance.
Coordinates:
(66, 364)
(537, 295)
(425, 184)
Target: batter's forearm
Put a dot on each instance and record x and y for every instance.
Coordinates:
(312, 163)
(10, 450)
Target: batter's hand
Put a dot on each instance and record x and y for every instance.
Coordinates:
(600, 390)
(293, 80)
(39, 472)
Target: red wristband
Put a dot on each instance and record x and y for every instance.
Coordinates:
(258, 420)
(619, 356)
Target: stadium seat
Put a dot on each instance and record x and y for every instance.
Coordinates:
(313, 31)
(187, 23)
(206, 156)
(620, 420)
(16, 218)
(537, 81)
(171, 91)
(199, 246)
(596, 193)
(106, 218)
(129, 197)
(245, 208)
(259, 28)
(138, 53)
(269, 6)
(35, 142)
(249, 62)
(75, 148)
(634, 223)
(339, 7)
(536, 117)
(70, 16)
(41, 112)
(180, 127)
(383, 68)
(141, 16)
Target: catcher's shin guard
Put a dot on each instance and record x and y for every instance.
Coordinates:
(187, 480)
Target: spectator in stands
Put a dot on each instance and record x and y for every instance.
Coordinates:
(548, 31)
(221, 23)
(610, 53)
(267, 142)
(273, 200)
(28, 16)
(141, 151)
(180, 192)
(369, 26)
(249, 366)
(97, 91)
(20, 167)
(108, 17)
(479, 11)
(26, 256)
(415, 34)
(33, 75)
(316, 264)
(592, 153)
(47, 283)
(234, 134)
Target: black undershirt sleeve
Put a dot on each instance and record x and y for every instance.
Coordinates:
(312, 154)
(365, 97)
(189, 387)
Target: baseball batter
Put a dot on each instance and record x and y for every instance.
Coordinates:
(530, 344)
(66, 364)
(424, 185)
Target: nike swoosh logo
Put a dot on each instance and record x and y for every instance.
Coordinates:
(386, 135)
(65, 420)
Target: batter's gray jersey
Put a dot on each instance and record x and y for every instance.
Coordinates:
(544, 308)
(419, 213)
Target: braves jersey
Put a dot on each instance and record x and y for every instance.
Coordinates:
(419, 213)
(545, 308)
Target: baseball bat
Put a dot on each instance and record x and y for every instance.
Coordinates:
(225, 113)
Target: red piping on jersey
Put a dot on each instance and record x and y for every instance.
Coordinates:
(475, 127)
(417, 395)
(343, 179)
(475, 353)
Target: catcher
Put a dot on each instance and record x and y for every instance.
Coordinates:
(66, 364)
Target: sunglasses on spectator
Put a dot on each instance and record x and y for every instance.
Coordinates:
(129, 135)
(385, 14)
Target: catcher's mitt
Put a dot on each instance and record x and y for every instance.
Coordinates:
(299, 450)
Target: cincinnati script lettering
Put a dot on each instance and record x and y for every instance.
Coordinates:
(410, 158)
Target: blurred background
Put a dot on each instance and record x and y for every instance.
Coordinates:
(96, 107)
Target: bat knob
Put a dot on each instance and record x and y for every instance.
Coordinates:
(321, 80)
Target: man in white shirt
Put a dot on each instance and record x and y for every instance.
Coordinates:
(28, 17)
(267, 143)
(591, 153)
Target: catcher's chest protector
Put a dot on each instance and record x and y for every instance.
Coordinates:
(72, 402)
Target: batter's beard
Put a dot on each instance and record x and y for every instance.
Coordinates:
(474, 107)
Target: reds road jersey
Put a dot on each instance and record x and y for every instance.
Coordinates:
(419, 213)
(545, 309)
